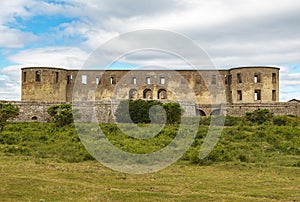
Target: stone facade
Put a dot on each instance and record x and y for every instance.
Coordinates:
(205, 92)
(235, 85)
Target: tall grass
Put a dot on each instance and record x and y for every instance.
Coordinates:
(241, 141)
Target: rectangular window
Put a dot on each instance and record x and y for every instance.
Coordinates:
(273, 77)
(38, 76)
(84, 79)
(97, 80)
(162, 80)
(113, 80)
(228, 79)
(214, 79)
(134, 80)
(257, 95)
(56, 77)
(257, 78)
(69, 79)
(273, 95)
(239, 77)
(24, 77)
(239, 95)
(148, 80)
(198, 79)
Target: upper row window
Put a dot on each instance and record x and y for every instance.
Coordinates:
(257, 78)
(239, 77)
(24, 77)
(38, 76)
(274, 78)
(84, 79)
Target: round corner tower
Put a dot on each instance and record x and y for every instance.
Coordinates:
(44, 84)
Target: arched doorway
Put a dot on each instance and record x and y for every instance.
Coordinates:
(147, 94)
(215, 112)
(133, 94)
(200, 112)
(162, 94)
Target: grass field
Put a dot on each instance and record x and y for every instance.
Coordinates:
(23, 179)
(39, 162)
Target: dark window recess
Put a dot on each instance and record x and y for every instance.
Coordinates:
(239, 95)
(239, 77)
(273, 95)
(257, 95)
(228, 79)
(214, 79)
(113, 80)
(38, 76)
(98, 81)
(69, 79)
(24, 77)
(273, 77)
(56, 77)
(257, 78)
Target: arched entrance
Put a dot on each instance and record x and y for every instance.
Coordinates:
(215, 112)
(162, 94)
(133, 94)
(147, 94)
(200, 112)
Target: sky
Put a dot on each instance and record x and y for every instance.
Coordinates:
(63, 33)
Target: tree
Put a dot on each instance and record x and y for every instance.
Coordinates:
(62, 114)
(173, 111)
(7, 111)
(147, 111)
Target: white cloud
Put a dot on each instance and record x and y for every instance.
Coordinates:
(10, 83)
(232, 32)
(68, 57)
(13, 38)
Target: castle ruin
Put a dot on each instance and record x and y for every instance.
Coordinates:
(232, 91)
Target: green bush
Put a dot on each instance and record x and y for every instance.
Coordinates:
(62, 114)
(259, 116)
(7, 111)
(147, 111)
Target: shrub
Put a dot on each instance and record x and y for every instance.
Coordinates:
(259, 116)
(147, 111)
(7, 111)
(62, 114)
(280, 121)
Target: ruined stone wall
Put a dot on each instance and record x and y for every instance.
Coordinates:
(279, 108)
(180, 85)
(202, 87)
(103, 111)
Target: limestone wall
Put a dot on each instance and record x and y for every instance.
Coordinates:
(103, 111)
(202, 86)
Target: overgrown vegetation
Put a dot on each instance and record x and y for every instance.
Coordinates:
(7, 111)
(147, 111)
(243, 140)
(252, 161)
(62, 114)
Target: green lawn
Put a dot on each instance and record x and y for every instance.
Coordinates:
(24, 179)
